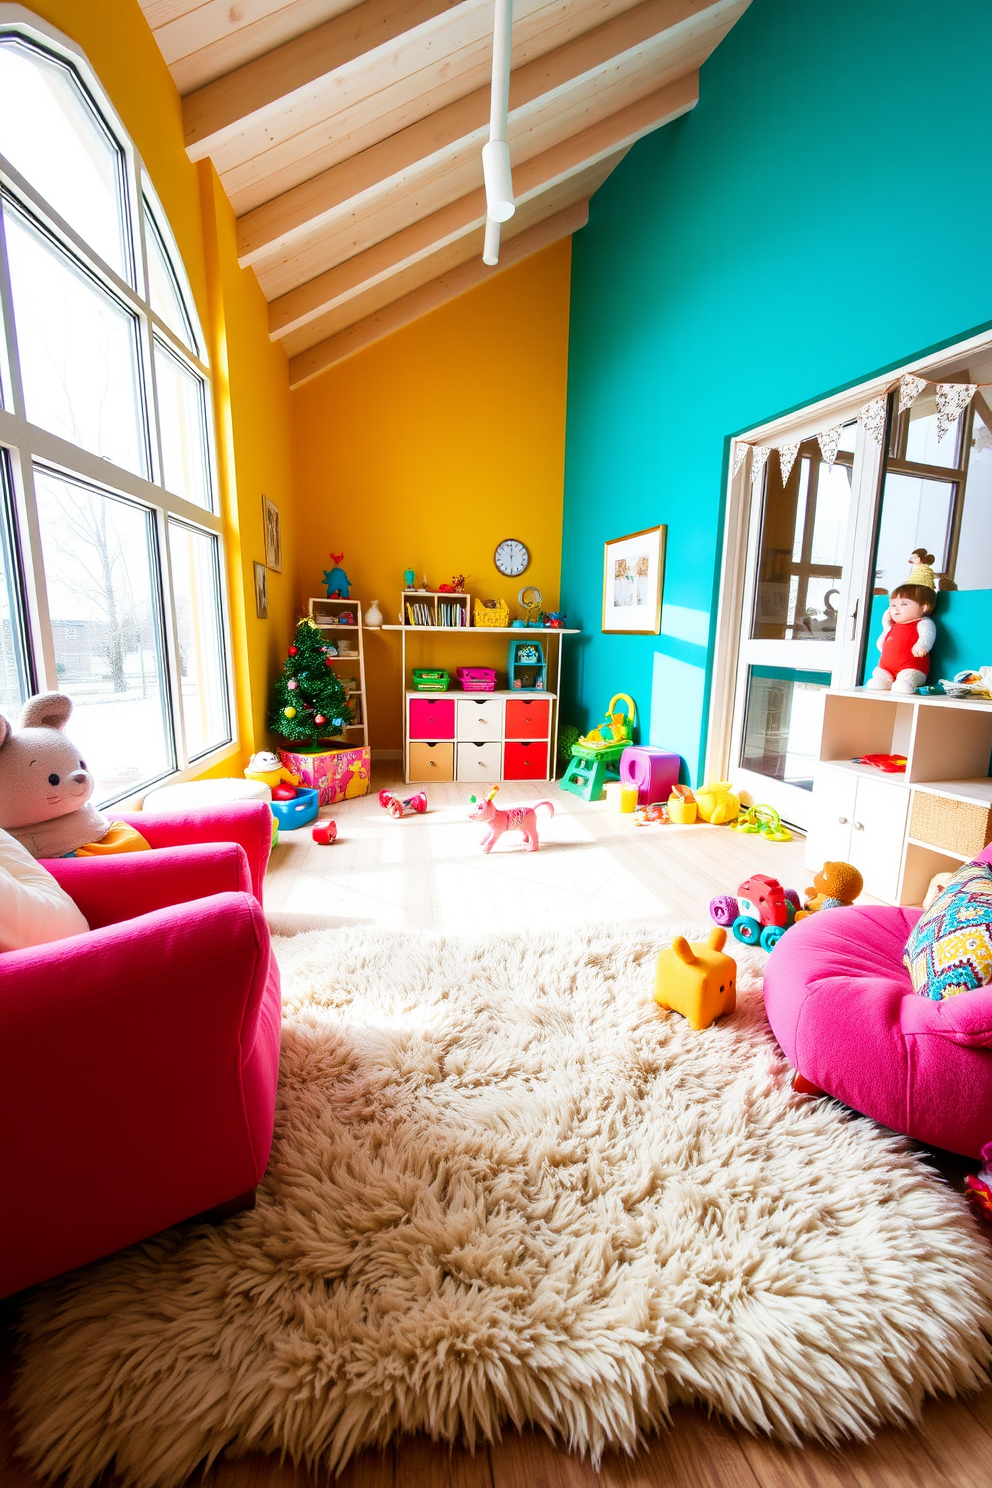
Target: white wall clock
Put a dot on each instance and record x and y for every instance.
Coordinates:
(511, 558)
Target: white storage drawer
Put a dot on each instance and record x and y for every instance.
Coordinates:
(479, 761)
(479, 718)
(859, 819)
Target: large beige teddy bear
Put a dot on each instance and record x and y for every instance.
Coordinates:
(45, 787)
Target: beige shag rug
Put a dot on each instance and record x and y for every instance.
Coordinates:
(507, 1189)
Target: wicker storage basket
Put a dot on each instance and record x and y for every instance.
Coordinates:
(963, 827)
(499, 616)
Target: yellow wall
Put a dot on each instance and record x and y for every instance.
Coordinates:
(431, 446)
(251, 389)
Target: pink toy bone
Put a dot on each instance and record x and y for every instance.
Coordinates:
(517, 819)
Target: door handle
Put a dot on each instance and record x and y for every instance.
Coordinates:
(842, 820)
(854, 620)
(859, 826)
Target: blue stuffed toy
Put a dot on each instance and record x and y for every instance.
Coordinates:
(336, 580)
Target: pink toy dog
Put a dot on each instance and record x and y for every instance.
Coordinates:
(517, 819)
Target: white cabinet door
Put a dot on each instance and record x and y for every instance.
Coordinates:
(878, 834)
(479, 718)
(829, 836)
(478, 762)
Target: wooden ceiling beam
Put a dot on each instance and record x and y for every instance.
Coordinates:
(201, 40)
(267, 89)
(291, 312)
(410, 307)
(425, 147)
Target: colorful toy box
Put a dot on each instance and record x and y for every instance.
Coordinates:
(336, 774)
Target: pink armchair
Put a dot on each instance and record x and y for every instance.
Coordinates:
(138, 1062)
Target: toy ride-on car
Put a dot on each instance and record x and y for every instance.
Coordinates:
(761, 913)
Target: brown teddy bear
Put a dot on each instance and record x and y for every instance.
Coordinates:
(835, 887)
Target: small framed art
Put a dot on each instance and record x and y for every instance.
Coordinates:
(261, 591)
(633, 575)
(273, 536)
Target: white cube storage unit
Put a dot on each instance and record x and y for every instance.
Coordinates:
(478, 738)
(901, 829)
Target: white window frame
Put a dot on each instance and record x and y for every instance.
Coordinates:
(741, 502)
(26, 443)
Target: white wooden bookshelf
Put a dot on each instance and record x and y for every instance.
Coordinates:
(467, 634)
(350, 667)
(866, 816)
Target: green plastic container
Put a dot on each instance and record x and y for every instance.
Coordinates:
(429, 680)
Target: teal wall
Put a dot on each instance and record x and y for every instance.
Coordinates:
(822, 215)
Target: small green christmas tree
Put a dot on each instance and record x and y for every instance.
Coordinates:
(310, 703)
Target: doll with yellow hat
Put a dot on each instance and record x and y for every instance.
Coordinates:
(908, 632)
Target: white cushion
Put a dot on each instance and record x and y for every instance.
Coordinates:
(192, 794)
(34, 909)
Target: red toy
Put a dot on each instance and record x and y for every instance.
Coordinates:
(325, 832)
(761, 913)
(890, 764)
(284, 792)
(398, 805)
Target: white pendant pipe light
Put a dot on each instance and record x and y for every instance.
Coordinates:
(500, 205)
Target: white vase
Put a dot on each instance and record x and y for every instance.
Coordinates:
(373, 615)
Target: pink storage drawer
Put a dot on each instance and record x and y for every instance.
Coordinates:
(476, 679)
(432, 718)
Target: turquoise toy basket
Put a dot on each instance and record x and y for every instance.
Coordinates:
(296, 813)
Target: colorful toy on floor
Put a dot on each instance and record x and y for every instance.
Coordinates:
(760, 914)
(836, 886)
(516, 819)
(596, 756)
(682, 806)
(763, 819)
(397, 806)
(616, 728)
(654, 812)
(337, 583)
(325, 832)
(653, 771)
(697, 980)
(718, 803)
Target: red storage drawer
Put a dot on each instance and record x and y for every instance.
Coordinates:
(523, 761)
(432, 718)
(527, 719)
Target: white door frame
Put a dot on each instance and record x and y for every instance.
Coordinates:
(736, 580)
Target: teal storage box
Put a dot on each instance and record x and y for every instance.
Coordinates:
(296, 813)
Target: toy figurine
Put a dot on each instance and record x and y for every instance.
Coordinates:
(336, 581)
(697, 980)
(836, 886)
(325, 832)
(267, 767)
(409, 578)
(517, 819)
(396, 806)
(908, 633)
(457, 585)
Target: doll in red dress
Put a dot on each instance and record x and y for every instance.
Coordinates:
(908, 633)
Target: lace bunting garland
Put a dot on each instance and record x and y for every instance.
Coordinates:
(740, 450)
(872, 418)
(759, 454)
(910, 388)
(829, 442)
(952, 398)
(787, 458)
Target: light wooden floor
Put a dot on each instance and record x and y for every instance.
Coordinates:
(593, 865)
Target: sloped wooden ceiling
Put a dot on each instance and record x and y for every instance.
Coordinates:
(349, 137)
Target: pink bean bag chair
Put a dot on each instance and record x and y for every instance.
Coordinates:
(841, 1004)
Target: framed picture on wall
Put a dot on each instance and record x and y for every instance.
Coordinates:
(273, 536)
(261, 591)
(633, 575)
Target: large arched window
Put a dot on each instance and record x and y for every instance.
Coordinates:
(110, 545)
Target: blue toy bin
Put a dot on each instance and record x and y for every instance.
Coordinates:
(296, 813)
